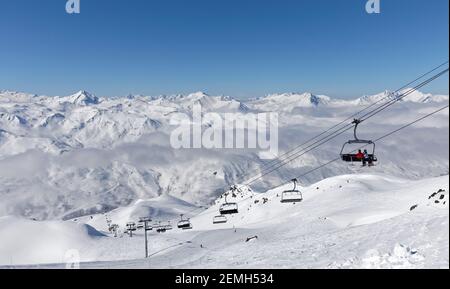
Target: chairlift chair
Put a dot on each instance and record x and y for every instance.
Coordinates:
(168, 226)
(220, 219)
(229, 208)
(184, 224)
(158, 227)
(351, 157)
(292, 196)
(161, 230)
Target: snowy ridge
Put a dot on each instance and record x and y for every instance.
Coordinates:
(292, 99)
(419, 97)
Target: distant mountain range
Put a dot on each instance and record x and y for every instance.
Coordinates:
(305, 99)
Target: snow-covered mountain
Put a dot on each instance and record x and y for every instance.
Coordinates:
(14, 96)
(209, 103)
(289, 101)
(419, 97)
(81, 98)
(370, 99)
(414, 96)
(65, 156)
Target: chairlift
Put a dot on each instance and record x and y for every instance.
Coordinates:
(351, 157)
(229, 208)
(184, 224)
(131, 226)
(161, 230)
(292, 196)
(220, 219)
(168, 226)
(142, 227)
(156, 224)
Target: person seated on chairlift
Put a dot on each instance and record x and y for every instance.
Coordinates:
(367, 159)
(359, 155)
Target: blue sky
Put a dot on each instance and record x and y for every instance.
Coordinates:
(242, 48)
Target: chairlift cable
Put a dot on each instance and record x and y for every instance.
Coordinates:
(345, 128)
(378, 139)
(302, 153)
(390, 103)
(291, 153)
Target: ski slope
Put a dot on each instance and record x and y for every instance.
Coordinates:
(362, 220)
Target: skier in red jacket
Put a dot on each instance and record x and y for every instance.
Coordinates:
(359, 156)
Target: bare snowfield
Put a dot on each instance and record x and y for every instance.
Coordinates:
(69, 163)
(349, 221)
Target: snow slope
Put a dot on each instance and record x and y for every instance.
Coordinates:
(27, 242)
(349, 221)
